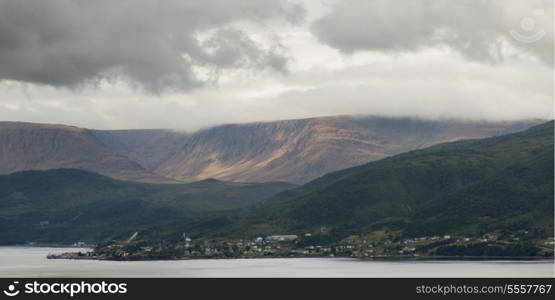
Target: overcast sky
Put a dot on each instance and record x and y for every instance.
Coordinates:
(189, 64)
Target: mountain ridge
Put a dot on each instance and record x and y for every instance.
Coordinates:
(31, 146)
(295, 151)
(301, 150)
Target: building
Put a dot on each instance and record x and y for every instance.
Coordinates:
(281, 238)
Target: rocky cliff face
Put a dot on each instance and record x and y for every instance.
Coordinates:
(26, 146)
(298, 151)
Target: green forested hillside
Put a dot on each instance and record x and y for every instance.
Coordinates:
(68, 205)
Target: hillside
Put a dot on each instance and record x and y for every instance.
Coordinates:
(29, 146)
(468, 188)
(68, 205)
(294, 151)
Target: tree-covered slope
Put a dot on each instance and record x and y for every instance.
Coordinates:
(449, 187)
(68, 205)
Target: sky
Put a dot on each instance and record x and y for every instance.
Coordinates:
(187, 64)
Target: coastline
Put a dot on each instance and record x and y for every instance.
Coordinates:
(82, 255)
(32, 262)
(51, 245)
(77, 256)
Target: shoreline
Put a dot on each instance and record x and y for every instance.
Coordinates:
(51, 246)
(75, 256)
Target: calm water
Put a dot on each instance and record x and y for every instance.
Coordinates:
(32, 262)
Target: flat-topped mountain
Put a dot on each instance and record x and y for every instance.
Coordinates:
(294, 151)
(298, 151)
(28, 146)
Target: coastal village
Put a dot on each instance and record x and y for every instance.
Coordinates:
(378, 245)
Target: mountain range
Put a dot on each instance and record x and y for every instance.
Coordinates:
(295, 151)
(468, 188)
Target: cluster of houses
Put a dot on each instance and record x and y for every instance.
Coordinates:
(288, 245)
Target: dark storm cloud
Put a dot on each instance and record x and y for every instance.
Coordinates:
(151, 43)
(229, 48)
(475, 28)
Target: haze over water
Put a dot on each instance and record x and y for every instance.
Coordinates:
(32, 262)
